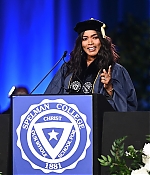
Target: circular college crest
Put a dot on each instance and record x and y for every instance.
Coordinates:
(53, 136)
(76, 86)
(87, 87)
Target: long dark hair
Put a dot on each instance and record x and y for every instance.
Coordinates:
(107, 55)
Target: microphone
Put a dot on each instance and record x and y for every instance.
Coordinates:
(11, 91)
(62, 58)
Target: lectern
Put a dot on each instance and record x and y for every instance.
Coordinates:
(57, 134)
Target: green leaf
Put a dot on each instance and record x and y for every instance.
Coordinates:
(101, 160)
(121, 153)
(131, 147)
(112, 153)
(122, 146)
(105, 158)
(105, 164)
(114, 143)
(109, 158)
(113, 147)
(148, 137)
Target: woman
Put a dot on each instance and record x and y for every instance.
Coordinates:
(93, 68)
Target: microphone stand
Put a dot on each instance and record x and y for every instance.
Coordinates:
(64, 55)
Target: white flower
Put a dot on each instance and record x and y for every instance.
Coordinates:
(141, 171)
(147, 163)
(146, 149)
(144, 159)
(147, 166)
(127, 153)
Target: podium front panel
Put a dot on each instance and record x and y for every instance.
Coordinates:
(52, 135)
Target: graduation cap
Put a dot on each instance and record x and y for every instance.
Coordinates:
(91, 24)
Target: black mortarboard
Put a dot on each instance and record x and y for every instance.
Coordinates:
(90, 24)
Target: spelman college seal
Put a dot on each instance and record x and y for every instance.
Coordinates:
(53, 136)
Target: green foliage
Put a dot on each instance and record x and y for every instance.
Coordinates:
(132, 37)
(148, 137)
(121, 162)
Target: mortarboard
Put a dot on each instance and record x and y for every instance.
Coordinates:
(90, 24)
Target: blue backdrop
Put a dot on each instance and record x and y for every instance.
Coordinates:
(35, 33)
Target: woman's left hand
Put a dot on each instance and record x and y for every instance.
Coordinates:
(106, 80)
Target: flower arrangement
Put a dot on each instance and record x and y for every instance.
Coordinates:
(130, 162)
